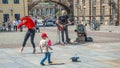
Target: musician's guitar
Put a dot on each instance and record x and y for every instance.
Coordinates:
(62, 27)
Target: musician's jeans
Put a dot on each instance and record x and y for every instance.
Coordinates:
(65, 30)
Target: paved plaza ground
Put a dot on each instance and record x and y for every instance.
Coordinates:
(103, 52)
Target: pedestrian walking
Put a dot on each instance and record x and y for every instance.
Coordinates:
(36, 24)
(15, 23)
(9, 24)
(21, 28)
(44, 47)
(28, 22)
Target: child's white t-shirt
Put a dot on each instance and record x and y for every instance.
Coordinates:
(43, 45)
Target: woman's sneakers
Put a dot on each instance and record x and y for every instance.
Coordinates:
(34, 50)
(21, 50)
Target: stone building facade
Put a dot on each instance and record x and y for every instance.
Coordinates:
(12, 9)
(103, 11)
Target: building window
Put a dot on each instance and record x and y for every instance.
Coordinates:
(16, 2)
(5, 17)
(17, 16)
(5, 1)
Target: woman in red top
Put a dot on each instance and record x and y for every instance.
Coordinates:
(28, 22)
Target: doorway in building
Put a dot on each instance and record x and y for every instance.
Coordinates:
(17, 16)
(5, 17)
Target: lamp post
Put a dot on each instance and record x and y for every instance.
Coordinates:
(78, 10)
(84, 7)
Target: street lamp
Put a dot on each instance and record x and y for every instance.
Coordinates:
(94, 10)
(102, 11)
(78, 6)
(84, 8)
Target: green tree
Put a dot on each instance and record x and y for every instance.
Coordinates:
(58, 13)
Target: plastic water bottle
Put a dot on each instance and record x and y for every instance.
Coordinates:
(75, 54)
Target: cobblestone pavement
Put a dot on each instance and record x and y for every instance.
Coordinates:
(102, 53)
(91, 56)
(14, 39)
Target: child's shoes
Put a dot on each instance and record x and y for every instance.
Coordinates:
(50, 62)
(42, 64)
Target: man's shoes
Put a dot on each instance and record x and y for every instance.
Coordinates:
(34, 50)
(63, 43)
(67, 43)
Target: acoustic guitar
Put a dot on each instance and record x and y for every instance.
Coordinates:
(61, 27)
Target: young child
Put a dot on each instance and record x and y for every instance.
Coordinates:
(44, 47)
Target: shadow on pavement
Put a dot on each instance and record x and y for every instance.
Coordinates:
(35, 53)
(57, 63)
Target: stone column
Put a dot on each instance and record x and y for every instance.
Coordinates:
(90, 14)
(118, 13)
(102, 10)
(94, 9)
(112, 11)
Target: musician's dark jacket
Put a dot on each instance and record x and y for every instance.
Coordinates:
(63, 19)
